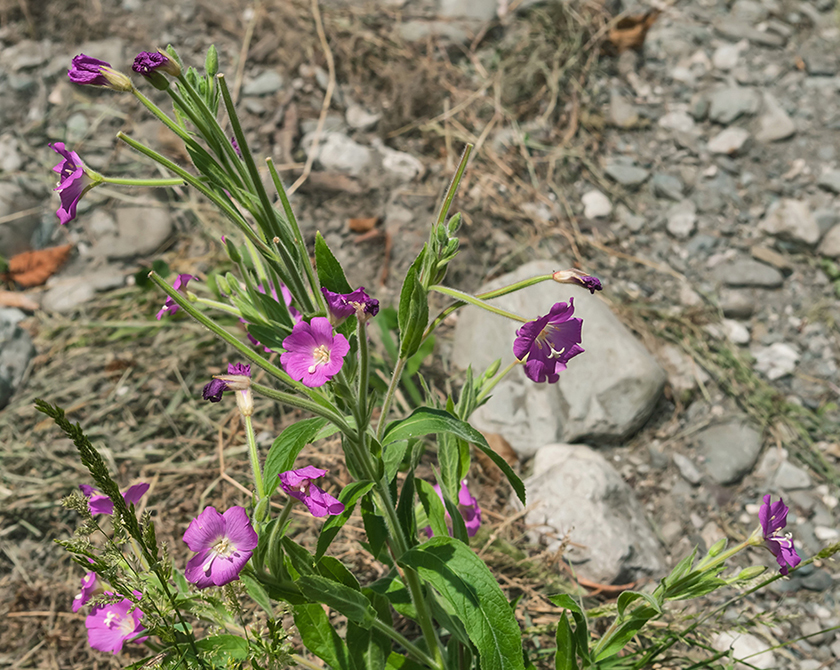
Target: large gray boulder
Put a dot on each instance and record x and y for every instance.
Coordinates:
(575, 492)
(606, 393)
(16, 349)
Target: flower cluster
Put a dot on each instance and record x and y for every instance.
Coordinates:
(549, 342)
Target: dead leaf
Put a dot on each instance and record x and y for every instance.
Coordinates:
(362, 225)
(502, 447)
(33, 268)
(19, 300)
(630, 32)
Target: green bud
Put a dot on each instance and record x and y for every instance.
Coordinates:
(211, 62)
(718, 547)
(454, 224)
(232, 251)
(222, 284)
(750, 573)
(233, 283)
(440, 234)
(451, 247)
(493, 369)
(170, 51)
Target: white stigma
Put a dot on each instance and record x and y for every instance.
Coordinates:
(109, 619)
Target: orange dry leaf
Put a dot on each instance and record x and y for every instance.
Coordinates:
(19, 300)
(362, 225)
(502, 447)
(33, 268)
(630, 32)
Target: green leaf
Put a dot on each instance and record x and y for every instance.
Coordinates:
(258, 593)
(413, 309)
(301, 560)
(391, 587)
(405, 509)
(564, 658)
(397, 661)
(341, 598)
(224, 646)
(425, 421)
(319, 636)
(349, 495)
(433, 506)
(330, 272)
(267, 336)
(628, 597)
(466, 582)
(285, 449)
(393, 458)
(375, 527)
(581, 632)
(626, 631)
(331, 568)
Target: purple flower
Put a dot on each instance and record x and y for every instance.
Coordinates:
(89, 587)
(221, 383)
(298, 484)
(73, 182)
(313, 354)
(469, 508)
(170, 306)
(287, 298)
(101, 504)
(578, 278)
(111, 625)
(149, 62)
(90, 71)
(773, 518)
(549, 342)
(236, 148)
(342, 305)
(223, 542)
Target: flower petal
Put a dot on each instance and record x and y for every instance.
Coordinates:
(238, 529)
(134, 493)
(205, 530)
(100, 504)
(196, 572)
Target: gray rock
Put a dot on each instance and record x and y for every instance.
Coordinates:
(735, 331)
(776, 361)
(729, 450)
(338, 152)
(361, 119)
(666, 186)
(818, 580)
(727, 104)
(818, 635)
(611, 539)
(682, 219)
(67, 294)
(604, 395)
(680, 122)
(749, 11)
(739, 30)
(749, 272)
(729, 141)
(683, 373)
(623, 114)
(25, 55)
(830, 181)
(687, 469)
(480, 10)
(726, 56)
(418, 30)
(790, 477)
(399, 163)
(774, 124)
(793, 221)
(140, 231)
(111, 50)
(826, 219)
(737, 304)
(16, 232)
(596, 205)
(10, 160)
(745, 645)
(16, 350)
(626, 175)
(830, 245)
(265, 83)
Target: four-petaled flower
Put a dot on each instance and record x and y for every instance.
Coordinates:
(73, 182)
(223, 542)
(549, 342)
(170, 306)
(773, 517)
(89, 71)
(111, 625)
(342, 305)
(149, 62)
(313, 354)
(467, 505)
(102, 504)
(578, 278)
(298, 484)
(89, 587)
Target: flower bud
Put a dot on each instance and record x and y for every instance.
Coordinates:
(751, 573)
(211, 63)
(578, 278)
(116, 80)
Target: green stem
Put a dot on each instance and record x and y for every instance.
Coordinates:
(255, 457)
(196, 183)
(389, 396)
(164, 118)
(499, 377)
(301, 244)
(221, 306)
(364, 375)
(488, 295)
(409, 646)
(142, 182)
(453, 185)
(471, 299)
(308, 405)
(295, 283)
(300, 660)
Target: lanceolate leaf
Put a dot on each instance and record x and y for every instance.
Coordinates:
(319, 637)
(425, 421)
(564, 658)
(330, 272)
(341, 598)
(465, 581)
(285, 449)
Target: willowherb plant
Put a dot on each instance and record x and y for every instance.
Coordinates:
(193, 615)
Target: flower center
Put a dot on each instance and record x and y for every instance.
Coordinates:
(542, 340)
(320, 356)
(127, 626)
(224, 548)
(112, 619)
(67, 169)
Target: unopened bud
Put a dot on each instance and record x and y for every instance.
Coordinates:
(750, 573)
(245, 401)
(578, 278)
(718, 547)
(116, 80)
